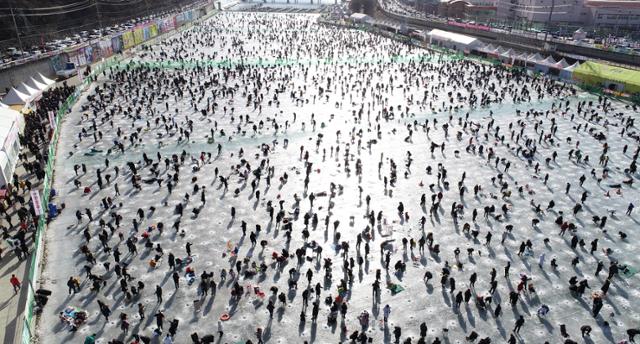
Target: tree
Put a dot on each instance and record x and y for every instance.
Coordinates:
(369, 7)
(355, 6)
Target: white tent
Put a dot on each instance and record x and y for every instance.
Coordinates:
(562, 64)
(33, 83)
(567, 72)
(549, 61)
(508, 55)
(41, 78)
(32, 92)
(361, 18)
(487, 48)
(542, 66)
(535, 57)
(453, 40)
(6, 171)
(522, 57)
(9, 128)
(14, 116)
(15, 97)
(499, 51)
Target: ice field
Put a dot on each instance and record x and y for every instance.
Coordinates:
(369, 116)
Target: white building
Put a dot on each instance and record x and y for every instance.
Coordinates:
(612, 13)
(451, 40)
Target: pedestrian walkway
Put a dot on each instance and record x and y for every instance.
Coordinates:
(12, 305)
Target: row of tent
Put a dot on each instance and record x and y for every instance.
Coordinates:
(593, 73)
(535, 61)
(11, 125)
(12, 122)
(28, 91)
(470, 44)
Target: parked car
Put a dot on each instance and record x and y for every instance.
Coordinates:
(69, 70)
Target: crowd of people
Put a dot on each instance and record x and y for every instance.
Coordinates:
(313, 180)
(15, 206)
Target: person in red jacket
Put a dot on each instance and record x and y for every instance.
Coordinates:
(15, 282)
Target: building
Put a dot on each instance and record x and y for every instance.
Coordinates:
(454, 41)
(537, 11)
(424, 6)
(614, 13)
(592, 13)
(465, 9)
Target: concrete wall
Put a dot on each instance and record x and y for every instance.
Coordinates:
(16, 75)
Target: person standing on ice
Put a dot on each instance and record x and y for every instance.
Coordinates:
(397, 332)
(541, 260)
(519, 324)
(386, 311)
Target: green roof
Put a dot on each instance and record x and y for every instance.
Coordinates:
(599, 73)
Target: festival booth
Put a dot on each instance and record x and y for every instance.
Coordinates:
(15, 97)
(35, 84)
(6, 112)
(520, 60)
(361, 18)
(455, 41)
(44, 80)
(9, 129)
(607, 76)
(542, 66)
(567, 72)
(31, 92)
(508, 57)
(532, 60)
(485, 49)
(496, 53)
(557, 67)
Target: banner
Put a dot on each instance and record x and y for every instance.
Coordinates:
(57, 62)
(169, 24)
(146, 32)
(82, 58)
(105, 48)
(179, 19)
(88, 54)
(128, 40)
(116, 44)
(153, 30)
(52, 120)
(37, 202)
(138, 35)
(73, 58)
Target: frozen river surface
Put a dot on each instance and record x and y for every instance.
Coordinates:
(315, 139)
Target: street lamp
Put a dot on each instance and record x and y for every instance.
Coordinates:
(553, 4)
(15, 26)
